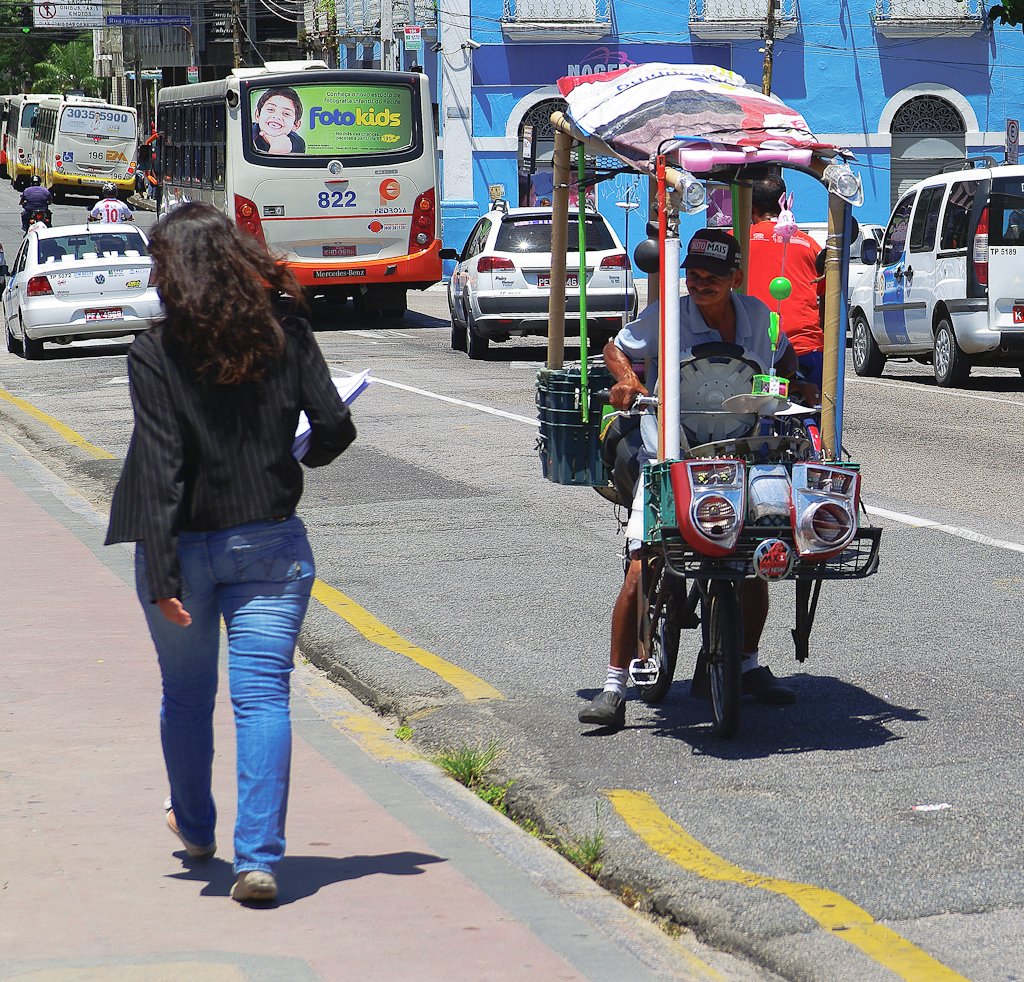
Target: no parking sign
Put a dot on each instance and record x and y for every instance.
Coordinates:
(1012, 140)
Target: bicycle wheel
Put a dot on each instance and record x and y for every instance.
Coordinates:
(723, 643)
(653, 678)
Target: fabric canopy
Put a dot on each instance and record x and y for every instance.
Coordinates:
(718, 119)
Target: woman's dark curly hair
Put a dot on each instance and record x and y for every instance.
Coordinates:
(214, 282)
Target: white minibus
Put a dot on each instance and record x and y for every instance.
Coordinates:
(82, 144)
(335, 171)
(20, 133)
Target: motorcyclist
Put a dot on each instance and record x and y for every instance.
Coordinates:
(110, 208)
(710, 313)
(35, 198)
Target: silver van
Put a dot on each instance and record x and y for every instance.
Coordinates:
(948, 279)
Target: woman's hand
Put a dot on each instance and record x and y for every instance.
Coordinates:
(172, 609)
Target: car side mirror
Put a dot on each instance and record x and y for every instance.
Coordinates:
(448, 254)
(869, 252)
(4, 271)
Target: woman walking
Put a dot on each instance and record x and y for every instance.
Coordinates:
(208, 493)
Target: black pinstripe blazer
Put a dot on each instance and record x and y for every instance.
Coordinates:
(207, 457)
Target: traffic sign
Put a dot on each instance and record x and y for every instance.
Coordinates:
(413, 37)
(1012, 140)
(146, 20)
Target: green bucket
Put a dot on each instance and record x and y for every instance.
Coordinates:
(570, 449)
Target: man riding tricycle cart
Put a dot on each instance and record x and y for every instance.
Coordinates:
(734, 477)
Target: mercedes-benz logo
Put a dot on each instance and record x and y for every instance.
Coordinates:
(100, 278)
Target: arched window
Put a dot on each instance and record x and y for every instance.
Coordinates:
(928, 132)
(536, 152)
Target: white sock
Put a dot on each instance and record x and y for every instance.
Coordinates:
(616, 681)
(749, 661)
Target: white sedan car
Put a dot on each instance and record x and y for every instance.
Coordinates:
(78, 281)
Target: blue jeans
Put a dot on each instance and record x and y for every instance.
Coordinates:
(257, 576)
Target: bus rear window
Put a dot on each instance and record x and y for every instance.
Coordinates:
(98, 121)
(331, 120)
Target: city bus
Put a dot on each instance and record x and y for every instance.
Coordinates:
(335, 171)
(20, 132)
(5, 106)
(81, 144)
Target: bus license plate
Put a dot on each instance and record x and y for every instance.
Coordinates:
(339, 250)
(1018, 313)
(571, 279)
(107, 314)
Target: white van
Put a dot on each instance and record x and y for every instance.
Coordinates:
(948, 280)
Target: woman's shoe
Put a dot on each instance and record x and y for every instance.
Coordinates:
(254, 884)
(199, 853)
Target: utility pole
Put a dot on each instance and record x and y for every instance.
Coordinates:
(387, 35)
(769, 53)
(236, 38)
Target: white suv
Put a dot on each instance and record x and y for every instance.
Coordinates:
(948, 280)
(501, 284)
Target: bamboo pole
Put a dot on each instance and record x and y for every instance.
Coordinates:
(835, 333)
(742, 193)
(559, 240)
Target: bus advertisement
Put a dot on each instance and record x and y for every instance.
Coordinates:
(335, 171)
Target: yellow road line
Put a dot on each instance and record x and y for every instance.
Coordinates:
(373, 630)
(55, 424)
(833, 912)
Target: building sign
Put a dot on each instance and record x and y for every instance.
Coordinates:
(67, 15)
(1012, 141)
(331, 120)
(496, 191)
(413, 37)
(193, 74)
(544, 64)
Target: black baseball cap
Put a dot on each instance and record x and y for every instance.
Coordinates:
(714, 250)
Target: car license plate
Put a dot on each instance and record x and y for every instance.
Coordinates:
(107, 314)
(1018, 313)
(571, 279)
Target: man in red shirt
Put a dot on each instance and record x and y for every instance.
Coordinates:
(799, 316)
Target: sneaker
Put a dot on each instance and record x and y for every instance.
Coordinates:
(199, 853)
(254, 884)
(766, 688)
(607, 709)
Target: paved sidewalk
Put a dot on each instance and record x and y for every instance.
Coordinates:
(380, 882)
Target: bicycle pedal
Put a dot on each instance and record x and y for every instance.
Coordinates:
(643, 674)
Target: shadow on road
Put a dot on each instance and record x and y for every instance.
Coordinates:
(303, 876)
(829, 715)
(64, 352)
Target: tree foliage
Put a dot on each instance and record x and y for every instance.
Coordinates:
(65, 68)
(1009, 12)
(19, 52)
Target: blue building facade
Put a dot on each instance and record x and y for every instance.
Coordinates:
(906, 85)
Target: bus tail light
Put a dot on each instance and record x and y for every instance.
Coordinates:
(980, 251)
(247, 217)
(421, 232)
(39, 286)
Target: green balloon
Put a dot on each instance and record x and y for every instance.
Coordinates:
(780, 288)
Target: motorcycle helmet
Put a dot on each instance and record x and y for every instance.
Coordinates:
(109, 189)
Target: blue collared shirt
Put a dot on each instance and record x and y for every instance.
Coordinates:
(639, 338)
